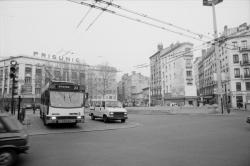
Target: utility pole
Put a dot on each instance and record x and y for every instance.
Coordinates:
(216, 50)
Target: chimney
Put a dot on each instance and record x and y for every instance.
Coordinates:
(160, 46)
(225, 30)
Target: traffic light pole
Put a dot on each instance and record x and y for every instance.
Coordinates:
(12, 96)
(217, 59)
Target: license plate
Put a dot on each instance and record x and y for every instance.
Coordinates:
(67, 121)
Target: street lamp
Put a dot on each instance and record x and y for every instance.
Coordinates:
(216, 44)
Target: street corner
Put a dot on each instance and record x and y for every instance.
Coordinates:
(36, 126)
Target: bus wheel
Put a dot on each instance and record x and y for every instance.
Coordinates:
(105, 119)
(92, 117)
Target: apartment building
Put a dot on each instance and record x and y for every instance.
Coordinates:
(172, 79)
(235, 65)
(234, 52)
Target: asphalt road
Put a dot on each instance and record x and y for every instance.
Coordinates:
(160, 140)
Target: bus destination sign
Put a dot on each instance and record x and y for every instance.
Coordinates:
(65, 87)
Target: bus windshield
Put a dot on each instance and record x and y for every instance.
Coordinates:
(66, 99)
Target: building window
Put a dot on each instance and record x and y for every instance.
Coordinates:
(238, 86)
(248, 86)
(189, 73)
(236, 58)
(246, 72)
(27, 80)
(57, 75)
(245, 58)
(38, 76)
(74, 75)
(235, 44)
(244, 44)
(237, 73)
(38, 91)
(65, 75)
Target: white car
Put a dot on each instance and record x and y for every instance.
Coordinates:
(108, 110)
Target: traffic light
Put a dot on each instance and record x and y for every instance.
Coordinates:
(13, 69)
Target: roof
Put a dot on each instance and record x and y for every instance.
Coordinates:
(41, 59)
(175, 46)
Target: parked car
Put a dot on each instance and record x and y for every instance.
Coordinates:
(248, 119)
(28, 106)
(13, 139)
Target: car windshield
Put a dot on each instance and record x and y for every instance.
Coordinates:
(66, 99)
(12, 123)
(113, 104)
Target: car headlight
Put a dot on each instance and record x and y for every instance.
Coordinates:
(78, 117)
(125, 113)
(53, 118)
(111, 113)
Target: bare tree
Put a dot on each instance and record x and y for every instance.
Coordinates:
(107, 76)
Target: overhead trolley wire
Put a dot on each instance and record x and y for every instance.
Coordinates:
(152, 18)
(135, 19)
(98, 16)
(84, 17)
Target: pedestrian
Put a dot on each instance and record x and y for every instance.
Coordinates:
(34, 108)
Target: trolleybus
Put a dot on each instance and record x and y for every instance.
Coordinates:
(62, 102)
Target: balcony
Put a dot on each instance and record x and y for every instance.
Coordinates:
(189, 66)
(244, 63)
(189, 78)
(244, 49)
(245, 76)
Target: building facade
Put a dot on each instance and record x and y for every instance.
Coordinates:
(234, 52)
(207, 84)
(235, 65)
(35, 71)
(155, 77)
(196, 73)
(177, 81)
(131, 88)
(102, 83)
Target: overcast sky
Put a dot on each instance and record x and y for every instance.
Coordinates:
(51, 26)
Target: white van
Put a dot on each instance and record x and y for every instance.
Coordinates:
(108, 110)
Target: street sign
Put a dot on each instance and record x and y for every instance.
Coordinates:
(210, 2)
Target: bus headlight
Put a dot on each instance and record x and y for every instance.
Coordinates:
(53, 118)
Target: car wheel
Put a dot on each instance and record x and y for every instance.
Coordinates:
(7, 157)
(123, 120)
(92, 117)
(105, 119)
